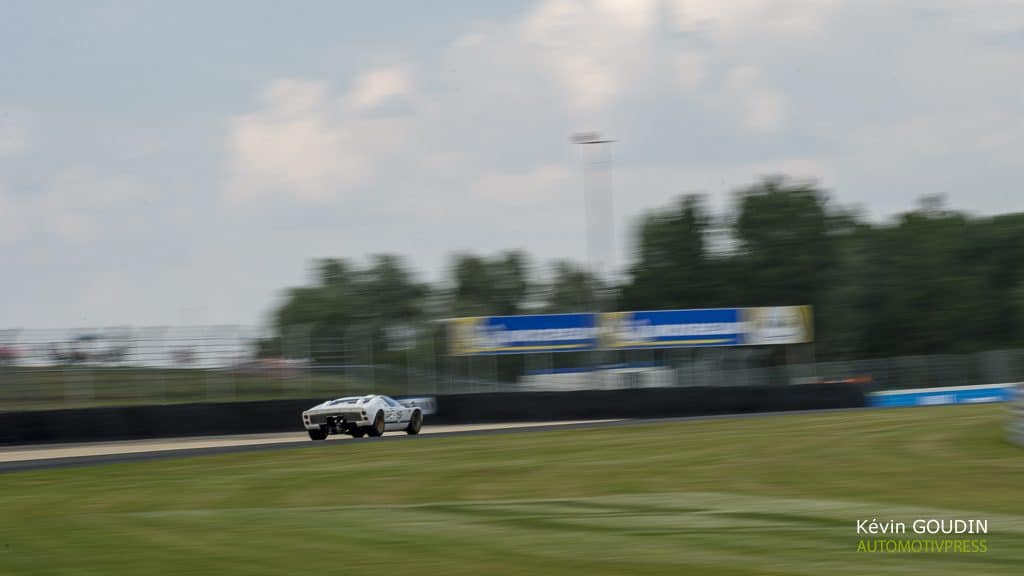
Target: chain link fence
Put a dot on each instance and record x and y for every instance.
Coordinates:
(42, 369)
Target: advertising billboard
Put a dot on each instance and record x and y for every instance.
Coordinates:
(763, 326)
(671, 328)
(770, 325)
(520, 334)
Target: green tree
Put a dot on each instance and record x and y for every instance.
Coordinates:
(497, 286)
(785, 251)
(572, 289)
(672, 269)
(911, 265)
(345, 303)
(931, 280)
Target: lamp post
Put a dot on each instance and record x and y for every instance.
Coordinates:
(598, 205)
(597, 199)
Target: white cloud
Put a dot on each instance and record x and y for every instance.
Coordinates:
(293, 146)
(445, 164)
(76, 207)
(81, 206)
(763, 107)
(13, 139)
(596, 51)
(71, 225)
(379, 86)
(11, 217)
(690, 71)
(307, 144)
(633, 14)
(536, 186)
(704, 13)
(603, 54)
(765, 111)
(732, 20)
(479, 158)
(468, 40)
(987, 16)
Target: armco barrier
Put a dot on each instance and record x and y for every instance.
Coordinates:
(283, 415)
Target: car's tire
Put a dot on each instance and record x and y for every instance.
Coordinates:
(377, 428)
(358, 433)
(415, 423)
(319, 434)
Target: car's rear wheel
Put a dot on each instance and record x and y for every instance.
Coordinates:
(377, 429)
(415, 423)
(318, 434)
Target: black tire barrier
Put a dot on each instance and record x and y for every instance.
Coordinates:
(176, 420)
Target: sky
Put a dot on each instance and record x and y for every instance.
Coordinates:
(166, 163)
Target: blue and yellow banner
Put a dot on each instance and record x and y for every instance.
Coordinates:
(521, 334)
(771, 325)
(765, 326)
(671, 328)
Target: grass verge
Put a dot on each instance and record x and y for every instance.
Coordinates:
(771, 495)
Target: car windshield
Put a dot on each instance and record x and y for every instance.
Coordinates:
(351, 400)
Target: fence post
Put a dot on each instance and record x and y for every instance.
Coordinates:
(161, 391)
(408, 370)
(209, 337)
(238, 353)
(373, 367)
(432, 358)
(307, 360)
(278, 370)
(346, 354)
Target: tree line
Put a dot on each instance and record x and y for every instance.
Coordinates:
(932, 280)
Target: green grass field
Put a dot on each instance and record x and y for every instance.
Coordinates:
(753, 496)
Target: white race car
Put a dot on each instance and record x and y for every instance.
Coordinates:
(360, 416)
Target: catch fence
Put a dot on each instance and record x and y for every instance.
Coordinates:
(42, 369)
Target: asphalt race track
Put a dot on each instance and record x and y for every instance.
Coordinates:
(39, 456)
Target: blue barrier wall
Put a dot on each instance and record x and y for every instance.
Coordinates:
(942, 396)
